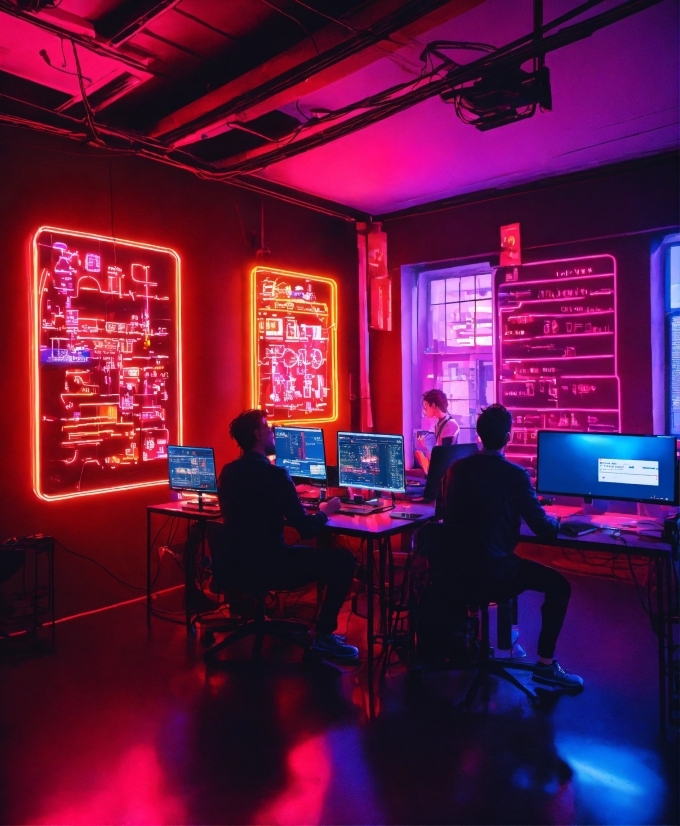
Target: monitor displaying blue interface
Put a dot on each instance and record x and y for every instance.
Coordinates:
(371, 460)
(301, 451)
(608, 466)
(192, 469)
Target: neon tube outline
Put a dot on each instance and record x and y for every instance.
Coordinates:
(519, 303)
(332, 327)
(36, 290)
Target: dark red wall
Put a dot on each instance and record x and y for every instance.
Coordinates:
(44, 180)
(625, 207)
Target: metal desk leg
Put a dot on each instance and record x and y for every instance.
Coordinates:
(661, 633)
(384, 608)
(188, 578)
(148, 569)
(668, 591)
(369, 621)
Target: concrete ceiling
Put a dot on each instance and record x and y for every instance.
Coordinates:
(229, 88)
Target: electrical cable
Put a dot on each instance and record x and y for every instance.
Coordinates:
(105, 569)
(295, 20)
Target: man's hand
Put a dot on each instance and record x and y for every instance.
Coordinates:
(331, 506)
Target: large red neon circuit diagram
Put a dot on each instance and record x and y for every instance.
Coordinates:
(107, 368)
(556, 349)
(294, 345)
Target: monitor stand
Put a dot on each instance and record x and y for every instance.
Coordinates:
(197, 504)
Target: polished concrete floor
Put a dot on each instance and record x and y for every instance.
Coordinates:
(121, 725)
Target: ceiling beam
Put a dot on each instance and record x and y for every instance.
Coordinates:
(128, 18)
(509, 56)
(379, 28)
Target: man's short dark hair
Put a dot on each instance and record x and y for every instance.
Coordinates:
(493, 424)
(437, 398)
(242, 428)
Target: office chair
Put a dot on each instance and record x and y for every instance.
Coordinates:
(261, 625)
(455, 574)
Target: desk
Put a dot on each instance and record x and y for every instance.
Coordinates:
(175, 510)
(666, 593)
(378, 527)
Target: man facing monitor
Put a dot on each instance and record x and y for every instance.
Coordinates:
(485, 499)
(256, 500)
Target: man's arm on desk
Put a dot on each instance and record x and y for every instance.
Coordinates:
(542, 524)
(307, 525)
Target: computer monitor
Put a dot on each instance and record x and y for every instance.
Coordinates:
(371, 460)
(608, 466)
(192, 469)
(301, 451)
(441, 459)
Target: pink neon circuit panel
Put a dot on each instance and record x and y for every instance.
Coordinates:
(556, 349)
(294, 354)
(106, 363)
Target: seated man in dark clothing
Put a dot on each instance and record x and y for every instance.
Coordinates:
(485, 499)
(256, 500)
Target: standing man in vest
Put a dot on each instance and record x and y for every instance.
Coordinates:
(446, 430)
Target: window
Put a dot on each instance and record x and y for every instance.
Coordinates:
(673, 337)
(450, 344)
(665, 327)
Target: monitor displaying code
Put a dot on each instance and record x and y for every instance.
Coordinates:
(371, 460)
(192, 468)
(608, 466)
(301, 451)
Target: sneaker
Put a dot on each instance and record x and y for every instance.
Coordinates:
(333, 646)
(555, 675)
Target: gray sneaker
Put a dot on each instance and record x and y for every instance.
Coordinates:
(555, 675)
(332, 645)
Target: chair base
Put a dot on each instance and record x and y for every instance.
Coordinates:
(483, 668)
(288, 630)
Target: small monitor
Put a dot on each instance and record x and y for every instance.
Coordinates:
(371, 460)
(301, 451)
(443, 456)
(192, 469)
(608, 466)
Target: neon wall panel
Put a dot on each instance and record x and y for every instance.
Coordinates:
(556, 363)
(294, 345)
(106, 363)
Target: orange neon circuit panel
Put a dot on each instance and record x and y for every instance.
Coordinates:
(106, 363)
(294, 345)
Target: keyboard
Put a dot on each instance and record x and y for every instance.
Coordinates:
(361, 510)
(574, 527)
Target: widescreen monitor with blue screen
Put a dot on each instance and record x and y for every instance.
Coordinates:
(608, 466)
(192, 469)
(371, 460)
(301, 451)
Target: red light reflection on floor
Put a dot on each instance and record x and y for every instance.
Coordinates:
(132, 794)
(309, 770)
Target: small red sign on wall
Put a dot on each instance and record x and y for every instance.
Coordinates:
(511, 247)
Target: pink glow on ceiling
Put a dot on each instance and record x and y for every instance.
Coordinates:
(615, 97)
(20, 46)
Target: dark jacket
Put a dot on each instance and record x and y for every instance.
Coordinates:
(256, 500)
(485, 499)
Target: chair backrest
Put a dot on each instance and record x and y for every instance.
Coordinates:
(454, 565)
(443, 456)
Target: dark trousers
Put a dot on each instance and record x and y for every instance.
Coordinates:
(506, 578)
(294, 566)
